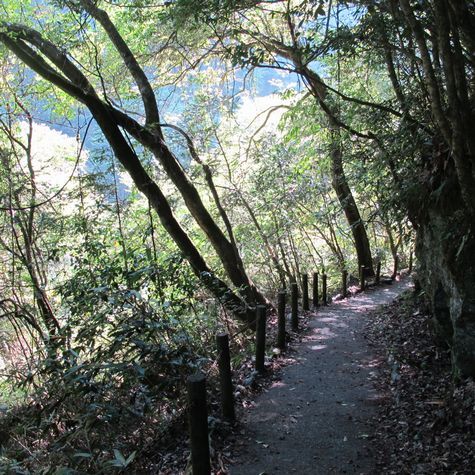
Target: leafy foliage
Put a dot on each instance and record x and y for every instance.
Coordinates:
(102, 316)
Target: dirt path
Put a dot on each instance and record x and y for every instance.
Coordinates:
(315, 419)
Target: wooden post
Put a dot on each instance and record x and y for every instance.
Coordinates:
(281, 320)
(305, 292)
(315, 289)
(251, 317)
(378, 273)
(294, 303)
(396, 267)
(198, 422)
(225, 376)
(417, 286)
(362, 278)
(344, 283)
(324, 289)
(260, 337)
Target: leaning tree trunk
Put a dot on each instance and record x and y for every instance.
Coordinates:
(159, 203)
(154, 141)
(73, 82)
(340, 184)
(348, 204)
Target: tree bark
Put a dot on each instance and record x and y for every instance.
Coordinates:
(227, 253)
(108, 119)
(348, 204)
(340, 184)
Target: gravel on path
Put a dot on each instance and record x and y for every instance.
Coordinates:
(317, 418)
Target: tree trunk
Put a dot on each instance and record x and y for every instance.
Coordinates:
(157, 200)
(270, 250)
(348, 204)
(231, 261)
(319, 91)
(224, 247)
(73, 82)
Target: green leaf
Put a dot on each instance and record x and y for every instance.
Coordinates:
(119, 457)
(83, 455)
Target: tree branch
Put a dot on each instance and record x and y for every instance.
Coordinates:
(145, 88)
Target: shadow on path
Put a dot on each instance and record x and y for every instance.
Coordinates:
(315, 420)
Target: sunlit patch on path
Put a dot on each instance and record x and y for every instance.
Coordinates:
(316, 419)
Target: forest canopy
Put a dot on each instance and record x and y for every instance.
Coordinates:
(168, 165)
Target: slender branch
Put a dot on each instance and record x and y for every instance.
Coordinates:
(145, 88)
(209, 180)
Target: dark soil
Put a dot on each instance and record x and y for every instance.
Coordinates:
(427, 424)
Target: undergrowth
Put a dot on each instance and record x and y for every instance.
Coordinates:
(106, 395)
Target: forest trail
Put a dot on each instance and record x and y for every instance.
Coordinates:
(315, 419)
